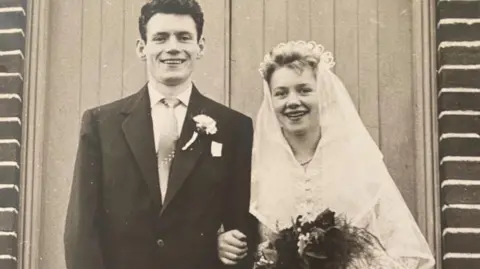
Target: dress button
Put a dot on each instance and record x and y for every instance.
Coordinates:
(160, 243)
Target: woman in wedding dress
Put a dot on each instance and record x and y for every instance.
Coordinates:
(312, 152)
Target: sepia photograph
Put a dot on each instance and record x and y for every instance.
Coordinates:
(247, 134)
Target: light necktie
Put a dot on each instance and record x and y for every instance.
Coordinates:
(166, 142)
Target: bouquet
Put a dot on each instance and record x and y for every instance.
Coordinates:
(328, 242)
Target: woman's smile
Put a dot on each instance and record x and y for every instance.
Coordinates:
(295, 115)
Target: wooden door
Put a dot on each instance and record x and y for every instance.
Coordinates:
(92, 61)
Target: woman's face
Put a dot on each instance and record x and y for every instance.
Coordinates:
(295, 99)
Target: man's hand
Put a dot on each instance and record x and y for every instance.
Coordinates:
(232, 247)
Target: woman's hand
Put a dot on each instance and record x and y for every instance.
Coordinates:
(232, 247)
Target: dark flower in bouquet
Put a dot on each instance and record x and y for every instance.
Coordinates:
(328, 242)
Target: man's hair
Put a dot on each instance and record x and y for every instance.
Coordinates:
(179, 7)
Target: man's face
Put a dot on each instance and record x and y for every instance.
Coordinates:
(171, 48)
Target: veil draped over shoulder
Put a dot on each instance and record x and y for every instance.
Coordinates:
(347, 174)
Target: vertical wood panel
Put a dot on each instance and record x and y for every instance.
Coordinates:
(112, 50)
(322, 23)
(210, 72)
(247, 52)
(275, 28)
(346, 45)
(91, 38)
(298, 15)
(395, 95)
(133, 74)
(368, 66)
(62, 126)
(426, 167)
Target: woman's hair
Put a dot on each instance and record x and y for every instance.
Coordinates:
(296, 55)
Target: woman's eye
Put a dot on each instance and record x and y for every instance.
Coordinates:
(280, 93)
(306, 90)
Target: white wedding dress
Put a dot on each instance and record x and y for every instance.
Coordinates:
(347, 175)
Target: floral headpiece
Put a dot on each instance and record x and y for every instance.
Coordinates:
(310, 48)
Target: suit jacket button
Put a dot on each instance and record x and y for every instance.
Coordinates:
(160, 243)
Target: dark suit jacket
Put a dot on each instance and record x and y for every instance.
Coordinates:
(116, 219)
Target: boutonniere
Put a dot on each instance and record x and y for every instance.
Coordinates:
(205, 126)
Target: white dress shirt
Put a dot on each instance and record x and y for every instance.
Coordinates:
(180, 110)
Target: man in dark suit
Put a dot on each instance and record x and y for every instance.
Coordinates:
(157, 173)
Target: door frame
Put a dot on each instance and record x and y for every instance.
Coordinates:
(33, 119)
(36, 85)
(426, 124)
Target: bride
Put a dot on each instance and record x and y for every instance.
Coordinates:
(312, 152)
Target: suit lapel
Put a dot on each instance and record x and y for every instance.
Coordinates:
(138, 131)
(185, 160)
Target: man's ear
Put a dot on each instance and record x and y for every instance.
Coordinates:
(140, 48)
(201, 45)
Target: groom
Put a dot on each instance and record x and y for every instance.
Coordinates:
(157, 173)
